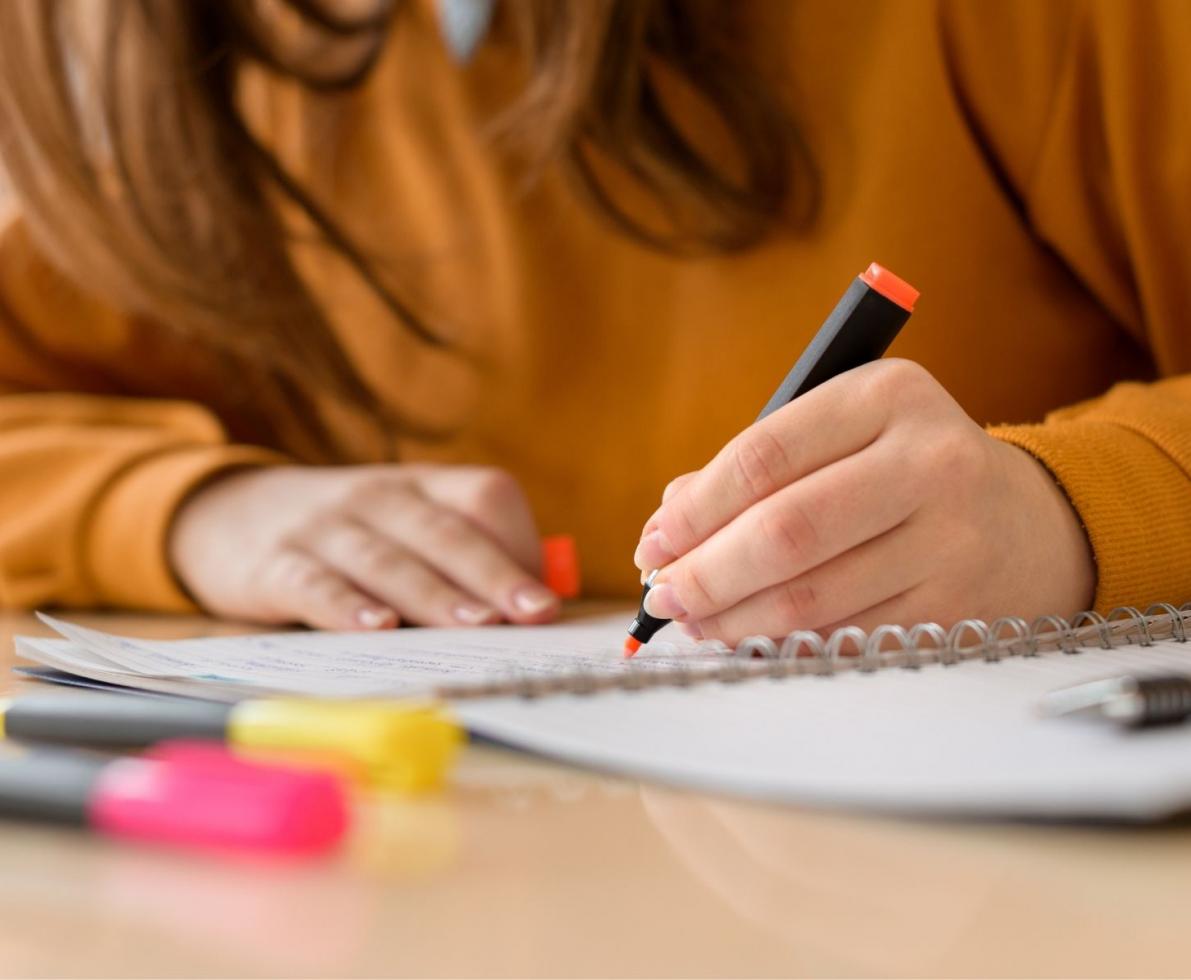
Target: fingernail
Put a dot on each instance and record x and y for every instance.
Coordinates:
(473, 613)
(376, 617)
(692, 630)
(534, 599)
(654, 551)
(662, 602)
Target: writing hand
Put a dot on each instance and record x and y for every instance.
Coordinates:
(872, 498)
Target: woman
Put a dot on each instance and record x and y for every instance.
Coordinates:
(310, 316)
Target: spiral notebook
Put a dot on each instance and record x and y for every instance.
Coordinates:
(921, 720)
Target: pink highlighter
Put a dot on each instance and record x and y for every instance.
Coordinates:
(191, 794)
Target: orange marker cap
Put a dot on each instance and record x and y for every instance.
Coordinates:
(893, 288)
(560, 565)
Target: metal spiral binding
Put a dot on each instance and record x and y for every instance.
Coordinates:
(806, 653)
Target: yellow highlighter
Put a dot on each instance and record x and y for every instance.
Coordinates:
(405, 746)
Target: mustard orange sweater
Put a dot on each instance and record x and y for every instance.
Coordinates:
(1026, 164)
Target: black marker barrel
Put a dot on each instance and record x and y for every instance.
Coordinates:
(859, 330)
(44, 786)
(114, 720)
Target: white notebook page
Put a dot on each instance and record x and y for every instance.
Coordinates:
(964, 739)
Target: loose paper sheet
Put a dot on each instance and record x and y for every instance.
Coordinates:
(391, 663)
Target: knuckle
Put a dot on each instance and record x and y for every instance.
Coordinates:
(332, 522)
(790, 531)
(326, 530)
(493, 491)
(309, 529)
(367, 490)
(296, 572)
(760, 461)
(374, 555)
(905, 373)
(313, 525)
(376, 492)
(675, 485)
(447, 530)
(698, 593)
(895, 380)
(677, 524)
(797, 603)
(956, 455)
(415, 588)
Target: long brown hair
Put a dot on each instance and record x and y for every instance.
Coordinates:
(120, 136)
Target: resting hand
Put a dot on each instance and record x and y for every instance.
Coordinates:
(871, 499)
(363, 547)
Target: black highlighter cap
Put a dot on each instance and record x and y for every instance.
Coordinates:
(644, 626)
(858, 331)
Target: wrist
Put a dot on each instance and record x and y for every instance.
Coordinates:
(197, 527)
(1062, 550)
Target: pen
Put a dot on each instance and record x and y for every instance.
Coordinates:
(181, 794)
(395, 745)
(1130, 701)
(860, 329)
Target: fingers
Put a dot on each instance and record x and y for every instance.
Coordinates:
(677, 484)
(652, 523)
(450, 548)
(395, 574)
(359, 547)
(495, 503)
(295, 586)
(789, 533)
(387, 551)
(828, 423)
(836, 593)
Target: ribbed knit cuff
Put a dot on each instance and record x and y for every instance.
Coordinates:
(126, 537)
(1134, 502)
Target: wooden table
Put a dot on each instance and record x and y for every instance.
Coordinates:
(525, 868)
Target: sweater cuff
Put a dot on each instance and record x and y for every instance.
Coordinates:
(1132, 498)
(125, 542)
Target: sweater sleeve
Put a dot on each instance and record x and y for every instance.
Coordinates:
(1105, 182)
(91, 472)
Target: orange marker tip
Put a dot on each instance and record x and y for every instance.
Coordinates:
(631, 646)
(892, 287)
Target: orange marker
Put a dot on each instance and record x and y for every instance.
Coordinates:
(859, 330)
(560, 566)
